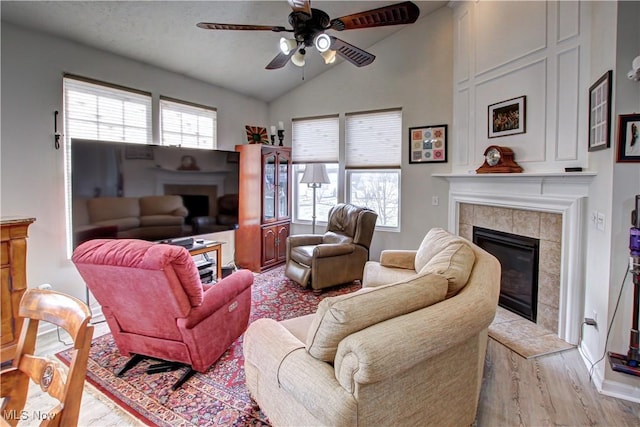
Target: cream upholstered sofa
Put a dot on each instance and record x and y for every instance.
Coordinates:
(407, 349)
(148, 217)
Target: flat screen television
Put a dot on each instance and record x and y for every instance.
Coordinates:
(207, 181)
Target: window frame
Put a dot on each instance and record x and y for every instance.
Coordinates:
(345, 173)
(189, 108)
(348, 194)
(110, 91)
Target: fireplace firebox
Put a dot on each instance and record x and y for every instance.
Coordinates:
(518, 256)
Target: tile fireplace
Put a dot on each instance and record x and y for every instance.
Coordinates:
(544, 206)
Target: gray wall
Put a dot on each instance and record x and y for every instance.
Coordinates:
(413, 70)
(32, 171)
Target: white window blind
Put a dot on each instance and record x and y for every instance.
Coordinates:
(374, 139)
(106, 112)
(187, 125)
(315, 140)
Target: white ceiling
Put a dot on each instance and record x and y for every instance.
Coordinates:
(164, 34)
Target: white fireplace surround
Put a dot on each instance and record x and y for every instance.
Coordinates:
(177, 177)
(560, 193)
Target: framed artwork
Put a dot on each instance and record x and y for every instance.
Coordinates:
(629, 138)
(138, 151)
(600, 113)
(428, 144)
(507, 117)
(256, 135)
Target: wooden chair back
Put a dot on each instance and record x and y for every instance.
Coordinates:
(73, 316)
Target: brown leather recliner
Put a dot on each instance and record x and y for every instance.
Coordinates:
(337, 256)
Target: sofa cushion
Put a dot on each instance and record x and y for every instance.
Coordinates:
(340, 316)
(448, 255)
(303, 254)
(331, 237)
(162, 205)
(108, 208)
(376, 274)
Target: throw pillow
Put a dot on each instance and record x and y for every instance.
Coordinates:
(340, 316)
(454, 263)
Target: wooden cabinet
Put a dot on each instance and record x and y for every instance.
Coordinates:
(13, 253)
(274, 238)
(264, 214)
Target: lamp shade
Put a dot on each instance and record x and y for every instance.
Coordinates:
(315, 173)
(329, 56)
(298, 58)
(287, 45)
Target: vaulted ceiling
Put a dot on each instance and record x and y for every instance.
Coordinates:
(164, 34)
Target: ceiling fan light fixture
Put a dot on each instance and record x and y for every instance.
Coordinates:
(298, 58)
(287, 45)
(329, 56)
(322, 42)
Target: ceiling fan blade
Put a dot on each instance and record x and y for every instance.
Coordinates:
(280, 60)
(351, 53)
(300, 6)
(214, 26)
(395, 14)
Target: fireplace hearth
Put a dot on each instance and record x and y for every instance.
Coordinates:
(519, 257)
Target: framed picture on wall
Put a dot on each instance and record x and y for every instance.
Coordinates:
(600, 113)
(428, 144)
(138, 151)
(507, 117)
(629, 138)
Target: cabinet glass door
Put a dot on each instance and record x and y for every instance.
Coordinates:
(269, 190)
(283, 187)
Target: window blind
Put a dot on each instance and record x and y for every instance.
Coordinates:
(315, 140)
(187, 125)
(106, 112)
(374, 139)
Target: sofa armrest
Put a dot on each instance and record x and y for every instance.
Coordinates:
(333, 249)
(304, 240)
(280, 357)
(218, 295)
(397, 258)
(181, 211)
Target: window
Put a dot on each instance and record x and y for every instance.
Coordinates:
(372, 146)
(315, 140)
(187, 125)
(105, 112)
(373, 156)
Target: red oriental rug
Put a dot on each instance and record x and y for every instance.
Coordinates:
(217, 397)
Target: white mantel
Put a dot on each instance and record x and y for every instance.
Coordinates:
(182, 177)
(561, 193)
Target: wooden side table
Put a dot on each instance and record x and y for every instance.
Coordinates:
(206, 247)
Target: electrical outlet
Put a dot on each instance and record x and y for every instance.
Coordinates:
(600, 221)
(435, 200)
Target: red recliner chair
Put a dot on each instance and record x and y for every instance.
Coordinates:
(156, 306)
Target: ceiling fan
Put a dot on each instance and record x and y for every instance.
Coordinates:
(309, 26)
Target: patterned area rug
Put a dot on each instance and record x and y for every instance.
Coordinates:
(217, 397)
(526, 338)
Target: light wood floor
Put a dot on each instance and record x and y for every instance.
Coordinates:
(552, 390)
